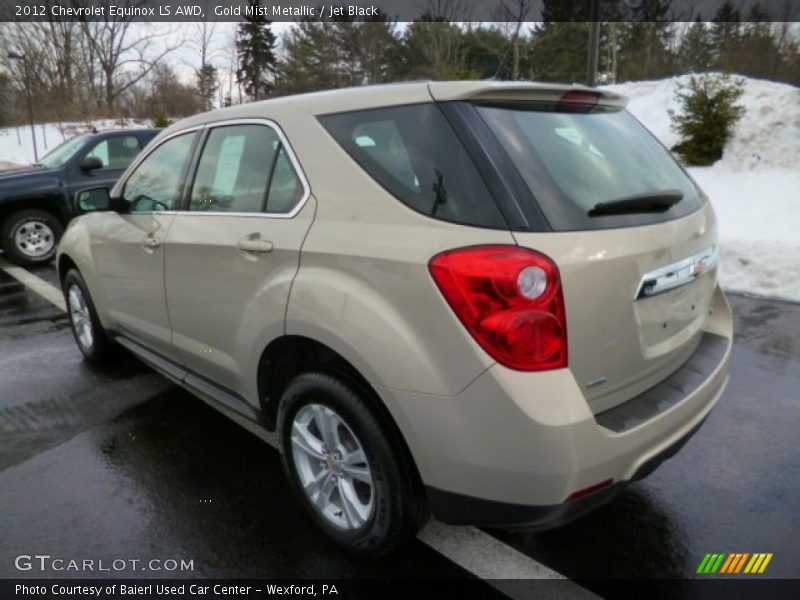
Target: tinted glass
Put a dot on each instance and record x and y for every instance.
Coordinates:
(244, 168)
(61, 154)
(154, 185)
(285, 189)
(414, 153)
(572, 161)
(116, 152)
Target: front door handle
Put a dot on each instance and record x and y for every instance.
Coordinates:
(253, 244)
(150, 243)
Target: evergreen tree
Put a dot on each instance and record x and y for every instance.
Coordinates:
(725, 31)
(309, 59)
(707, 116)
(432, 47)
(255, 45)
(5, 99)
(696, 51)
(489, 55)
(645, 41)
(560, 44)
(206, 78)
(339, 53)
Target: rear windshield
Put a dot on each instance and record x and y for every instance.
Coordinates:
(572, 161)
(413, 152)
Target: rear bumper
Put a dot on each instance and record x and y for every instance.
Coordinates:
(512, 447)
(458, 509)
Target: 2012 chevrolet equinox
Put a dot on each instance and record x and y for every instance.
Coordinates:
(496, 303)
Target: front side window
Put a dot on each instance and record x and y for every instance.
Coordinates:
(245, 169)
(116, 152)
(154, 185)
(414, 153)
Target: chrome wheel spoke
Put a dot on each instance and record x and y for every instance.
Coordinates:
(304, 440)
(323, 499)
(360, 473)
(356, 511)
(328, 425)
(314, 486)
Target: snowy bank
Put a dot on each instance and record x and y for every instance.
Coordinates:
(755, 188)
(16, 143)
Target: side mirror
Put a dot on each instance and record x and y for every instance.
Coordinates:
(90, 163)
(94, 199)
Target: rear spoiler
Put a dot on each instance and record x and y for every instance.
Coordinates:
(496, 91)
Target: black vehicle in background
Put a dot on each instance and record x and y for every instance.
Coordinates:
(36, 202)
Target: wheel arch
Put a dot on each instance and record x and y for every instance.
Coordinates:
(289, 355)
(52, 205)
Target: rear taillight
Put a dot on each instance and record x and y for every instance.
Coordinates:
(510, 300)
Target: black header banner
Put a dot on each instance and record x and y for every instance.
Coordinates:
(393, 10)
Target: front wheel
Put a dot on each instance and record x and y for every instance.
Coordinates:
(87, 330)
(29, 237)
(346, 466)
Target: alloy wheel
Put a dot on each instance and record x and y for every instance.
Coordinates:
(332, 467)
(81, 319)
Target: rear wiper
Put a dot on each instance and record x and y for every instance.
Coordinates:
(641, 203)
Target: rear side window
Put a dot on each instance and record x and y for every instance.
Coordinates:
(116, 152)
(573, 161)
(245, 168)
(415, 155)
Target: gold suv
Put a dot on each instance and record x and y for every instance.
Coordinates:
(496, 303)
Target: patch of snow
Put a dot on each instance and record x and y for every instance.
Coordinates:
(16, 143)
(759, 226)
(7, 164)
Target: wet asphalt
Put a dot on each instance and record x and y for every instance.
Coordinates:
(118, 462)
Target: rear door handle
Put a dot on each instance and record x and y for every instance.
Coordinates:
(253, 244)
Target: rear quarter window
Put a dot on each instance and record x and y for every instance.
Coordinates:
(413, 152)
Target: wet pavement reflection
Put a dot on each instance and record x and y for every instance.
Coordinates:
(734, 487)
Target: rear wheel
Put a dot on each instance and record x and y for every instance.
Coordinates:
(343, 464)
(29, 237)
(87, 330)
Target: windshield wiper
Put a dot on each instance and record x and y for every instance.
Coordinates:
(652, 202)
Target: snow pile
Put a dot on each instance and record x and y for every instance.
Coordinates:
(768, 133)
(16, 143)
(755, 188)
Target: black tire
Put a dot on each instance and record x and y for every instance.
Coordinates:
(101, 346)
(42, 224)
(399, 507)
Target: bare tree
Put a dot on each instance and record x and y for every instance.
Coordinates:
(206, 75)
(514, 13)
(124, 51)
